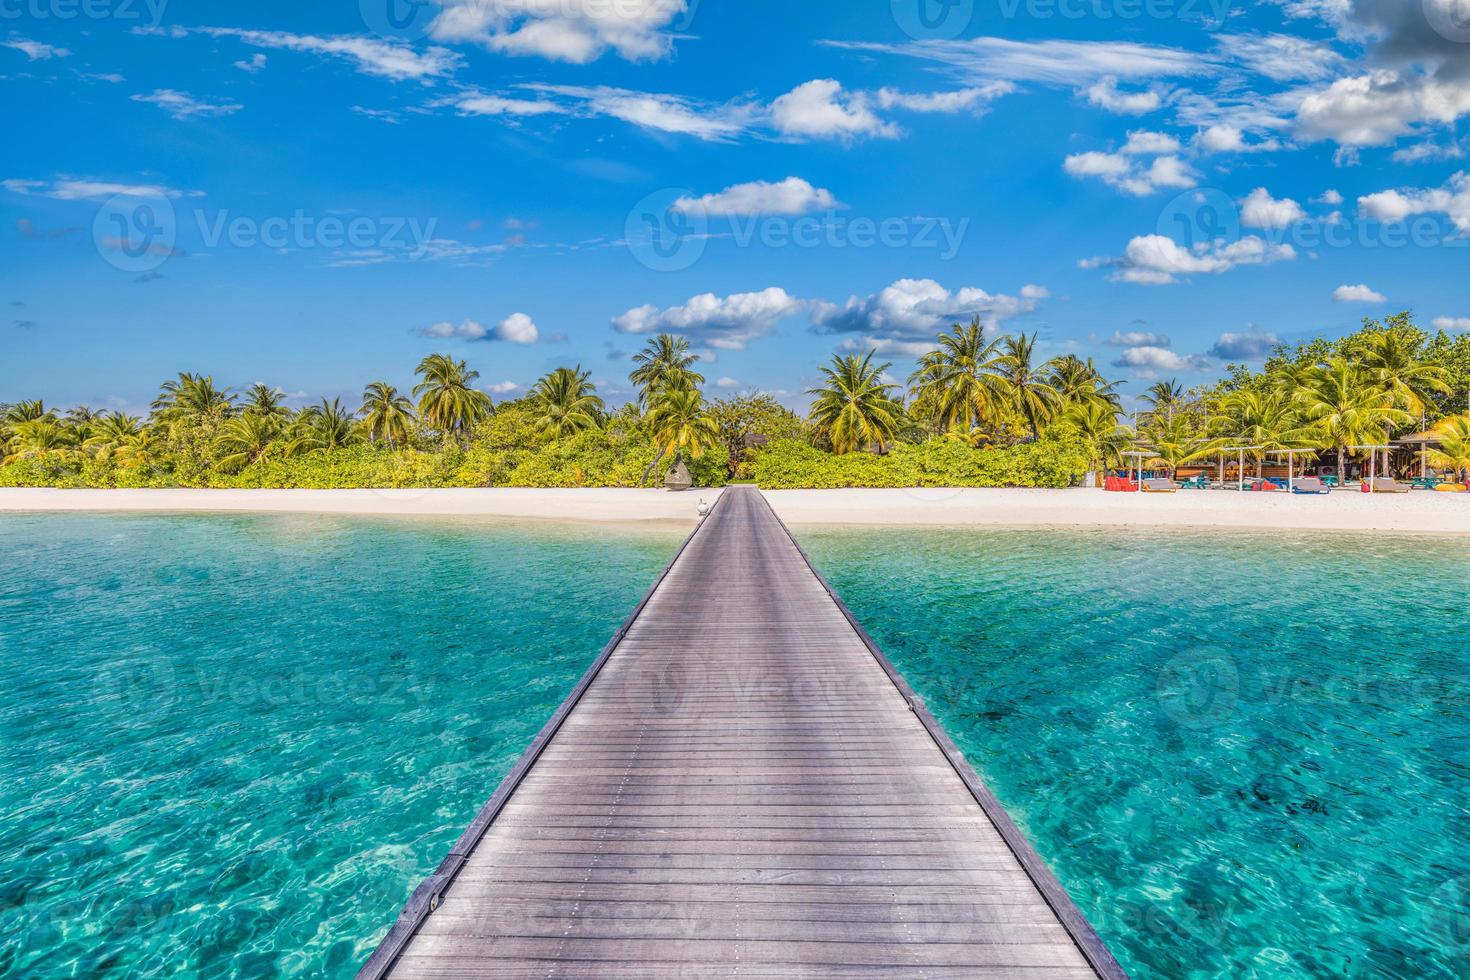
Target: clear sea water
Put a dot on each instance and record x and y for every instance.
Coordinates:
(229, 745)
(1245, 754)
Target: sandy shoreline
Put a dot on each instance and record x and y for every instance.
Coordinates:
(1419, 512)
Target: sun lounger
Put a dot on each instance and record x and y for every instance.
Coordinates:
(1387, 484)
(1159, 486)
(1310, 484)
(1451, 488)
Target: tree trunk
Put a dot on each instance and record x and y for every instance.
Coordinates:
(1341, 465)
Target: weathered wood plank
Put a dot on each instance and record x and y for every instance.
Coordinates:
(741, 785)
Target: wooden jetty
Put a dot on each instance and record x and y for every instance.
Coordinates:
(741, 785)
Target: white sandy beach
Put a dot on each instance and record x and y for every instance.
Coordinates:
(1420, 511)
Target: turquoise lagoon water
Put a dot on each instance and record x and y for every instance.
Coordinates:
(231, 745)
(1245, 754)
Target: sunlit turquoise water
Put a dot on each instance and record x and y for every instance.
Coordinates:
(230, 745)
(1244, 754)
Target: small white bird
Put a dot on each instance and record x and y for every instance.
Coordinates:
(703, 507)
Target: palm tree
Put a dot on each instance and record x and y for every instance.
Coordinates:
(959, 377)
(323, 427)
(1033, 398)
(681, 425)
(1175, 442)
(1346, 405)
(1077, 382)
(192, 399)
(264, 400)
(25, 412)
(1259, 417)
(37, 437)
(1097, 423)
(1392, 358)
(110, 433)
(386, 414)
(664, 364)
(854, 407)
(244, 439)
(448, 402)
(80, 420)
(567, 401)
(1453, 453)
(1163, 396)
(135, 450)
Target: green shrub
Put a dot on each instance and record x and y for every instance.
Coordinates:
(1059, 460)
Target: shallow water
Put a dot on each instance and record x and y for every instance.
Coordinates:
(232, 744)
(1245, 754)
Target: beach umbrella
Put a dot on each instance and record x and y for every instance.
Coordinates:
(1138, 456)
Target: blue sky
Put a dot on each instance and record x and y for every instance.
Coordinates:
(318, 195)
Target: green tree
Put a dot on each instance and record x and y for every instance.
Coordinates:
(960, 379)
(664, 364)
(1025, 383)
(110, 434)
(1097, 425)
(1346, 405)
(1079, 382)
(262, 399)
(245, 439)
(566, 401)
(1453, 451)
(1259, 417)
(323, 427)
(680, 424)
(39, 437)
(854, 407)
(448, 401)
(386, 414)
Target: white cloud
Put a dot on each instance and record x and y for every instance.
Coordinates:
(1428, 150)
(255, 64)
(182, 105)
(905, 316)
(1451, 200)
(1223, 138)
(821, 110)
(1329, 197)
(1250, 345)
(726, 323)
(790, 196)
(975, 98)
(1127, 172)
(1260, 210)
(1137, 338)
(475, 104)
(1105, 94)
(1072, 63)
(664, 113)
(1281, 57)
(369, 55)
(35, 50)
(517, 328)
(1155, 260)
(727, 383)
(1357, 294)
(1159, 359)
(502, 387)
(71, 189)
(1377, 108)
(576, 31)
(1452, 323)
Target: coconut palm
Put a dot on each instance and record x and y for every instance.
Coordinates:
(854, 407)
(387, 415)
(245, 439)
(80, 420)
(192, 399)
(323, 427)
(1077, 382)
(1266, 418)
(1391, 356)
(1175, 441)
(680, 424)
(1164, 396)
(1453, 451)
(959, 378)
(38, 437)
(1025, 383)
(110, 433)
(567, 401)
(448, 401)
(664, 364)
(25, 412)
(262, 399)
(135, 450)
(1097, 424)
(1346, 405)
